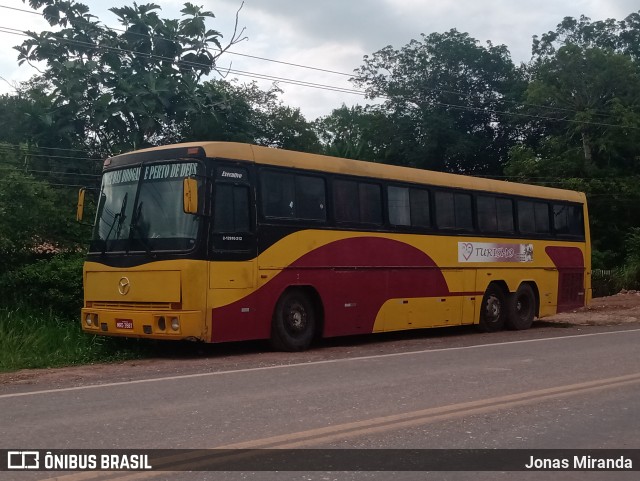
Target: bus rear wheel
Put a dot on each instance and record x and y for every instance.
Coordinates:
(493, 309)
(294, 322)
(522, 308)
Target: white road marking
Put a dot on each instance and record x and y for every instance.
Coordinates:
(305, 364)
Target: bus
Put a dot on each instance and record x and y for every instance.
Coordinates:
(220, 242)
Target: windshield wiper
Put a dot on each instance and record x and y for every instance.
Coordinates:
(136, 228)
(119, 219)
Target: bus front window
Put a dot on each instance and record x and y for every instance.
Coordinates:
(145, 213)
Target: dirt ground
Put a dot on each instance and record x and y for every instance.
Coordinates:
(617, 310)
(622, 308)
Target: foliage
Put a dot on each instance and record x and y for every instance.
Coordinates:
(629, 274)
(119, 90)
(570, 119)
(33, 216)
(224, 111)
(442, 94)
(51, 283)
(583, 100)
(596, 94)
(355, 133)
(33, 339)
(245, 113)
(619, 36)
(286, 128)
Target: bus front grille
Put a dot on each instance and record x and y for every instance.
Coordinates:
(134, 306)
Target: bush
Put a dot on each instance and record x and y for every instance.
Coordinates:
(629, 274)
(32, 339)
(53, 284)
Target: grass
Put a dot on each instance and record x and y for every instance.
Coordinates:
(33, 339)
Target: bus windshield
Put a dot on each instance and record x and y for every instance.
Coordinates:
(145, 212)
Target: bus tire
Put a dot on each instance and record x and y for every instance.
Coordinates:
(294, 322)
(493, 311)
(522, 308)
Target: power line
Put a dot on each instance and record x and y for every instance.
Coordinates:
(49, 172)
(161, 37)
(7, 149)
(341, 89)
(199, 64)
(326, 87)
(300, 83)
(20, 10)
(432, 89)
(330, 88)
(43, 183)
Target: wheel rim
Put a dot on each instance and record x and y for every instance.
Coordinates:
(492, 310)
(523, 307)
(296, 319)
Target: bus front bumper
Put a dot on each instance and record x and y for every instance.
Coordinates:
(174, 325)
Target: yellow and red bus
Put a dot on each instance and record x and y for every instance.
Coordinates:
(218, 242)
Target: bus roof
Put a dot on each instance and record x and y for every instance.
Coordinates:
(337, 165)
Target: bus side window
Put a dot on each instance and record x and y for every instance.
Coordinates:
(346, 201)
(420, 215)
(278, 195)
(289, 196)
(310, 198)
(408, 206)
(541, 211)
(504, 209)
(495, 214)
(576, 220)
(568, 220)
(453, 211)
(231, 209)
(533, 217)
(399, 205)
(370, 203)
(561, 218)
(357, 202)
(487, 213)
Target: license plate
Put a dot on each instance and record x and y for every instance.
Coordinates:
(124, 323)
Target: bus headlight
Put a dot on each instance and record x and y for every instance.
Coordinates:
(175, 323)
(88, 320)
(162, 323)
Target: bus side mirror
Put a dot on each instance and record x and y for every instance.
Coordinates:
(190, 196)
(80, 208)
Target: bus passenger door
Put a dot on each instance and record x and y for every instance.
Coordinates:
(233, 267)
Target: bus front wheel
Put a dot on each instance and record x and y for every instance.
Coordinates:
(522, 308)
(294, 322)
(493, 310)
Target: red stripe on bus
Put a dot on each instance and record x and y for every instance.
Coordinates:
(570, 264)
(365, 272)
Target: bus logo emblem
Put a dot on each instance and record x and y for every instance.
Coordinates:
(124, 286)
(467, 250)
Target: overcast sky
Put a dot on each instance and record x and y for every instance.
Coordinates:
(334, 34)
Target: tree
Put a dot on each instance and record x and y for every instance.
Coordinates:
(222, 111)
(286, 128)
(617, 36)
(33, 216)
(119, 90)
(584, 102)
(445, 94)
(362, 133)
(595, 95)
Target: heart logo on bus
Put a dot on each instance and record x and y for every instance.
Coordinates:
(467, 250)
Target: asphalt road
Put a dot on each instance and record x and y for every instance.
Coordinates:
(579, 389)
